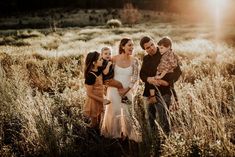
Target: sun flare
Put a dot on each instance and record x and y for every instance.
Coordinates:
(217, 8)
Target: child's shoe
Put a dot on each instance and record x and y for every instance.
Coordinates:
(126, 100)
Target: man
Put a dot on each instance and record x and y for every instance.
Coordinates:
(158, 104)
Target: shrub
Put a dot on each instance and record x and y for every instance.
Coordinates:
(114, 23)
(13, 41)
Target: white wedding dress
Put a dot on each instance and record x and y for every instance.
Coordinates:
(117, 120)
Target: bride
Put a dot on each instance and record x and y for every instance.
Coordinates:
(118, 121)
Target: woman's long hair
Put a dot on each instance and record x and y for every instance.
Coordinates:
(90, 58)
(123, 43)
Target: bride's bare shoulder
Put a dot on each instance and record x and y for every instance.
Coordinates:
(114, 58)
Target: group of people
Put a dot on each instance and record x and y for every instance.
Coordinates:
(120, 74)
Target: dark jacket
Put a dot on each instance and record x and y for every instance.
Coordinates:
(149, 69)
(110, 74)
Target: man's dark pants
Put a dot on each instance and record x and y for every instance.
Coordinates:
(158, 111)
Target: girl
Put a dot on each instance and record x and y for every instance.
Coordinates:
(94, 88)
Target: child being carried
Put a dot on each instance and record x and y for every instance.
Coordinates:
(108, 72)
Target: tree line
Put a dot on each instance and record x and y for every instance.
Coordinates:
(11, 6)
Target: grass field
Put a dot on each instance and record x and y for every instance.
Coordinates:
(42, 91)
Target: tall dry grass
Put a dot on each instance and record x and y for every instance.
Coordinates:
(42, 93)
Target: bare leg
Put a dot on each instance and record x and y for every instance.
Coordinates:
(114, 83)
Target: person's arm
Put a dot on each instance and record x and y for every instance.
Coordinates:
(134, 77)
(161, 82)
(176, 73)
(168, 62)
(89, 90)
(149, 81)
(135, 73)
(172, 63)
(113, 59)
(161, 75)
(106, 70)
(172, 77)
(143, 74)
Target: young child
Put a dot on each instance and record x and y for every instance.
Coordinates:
(169, 61)
(94, 88)
(108, 71)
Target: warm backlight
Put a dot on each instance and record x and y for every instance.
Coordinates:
(217, 8)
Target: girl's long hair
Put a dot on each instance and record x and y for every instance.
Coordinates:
(90, 58)
(123, 43)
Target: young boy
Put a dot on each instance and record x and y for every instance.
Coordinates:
(168, 62)
(108, 71)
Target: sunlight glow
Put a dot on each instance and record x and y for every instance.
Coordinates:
(217, 8)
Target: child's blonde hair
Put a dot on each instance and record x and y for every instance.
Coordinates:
(105, 48)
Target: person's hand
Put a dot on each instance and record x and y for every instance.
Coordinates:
(109, 63)
(106, 101)
(157, 77)
(150, 80)
(152, 100)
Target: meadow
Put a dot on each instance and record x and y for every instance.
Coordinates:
(42, 91)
